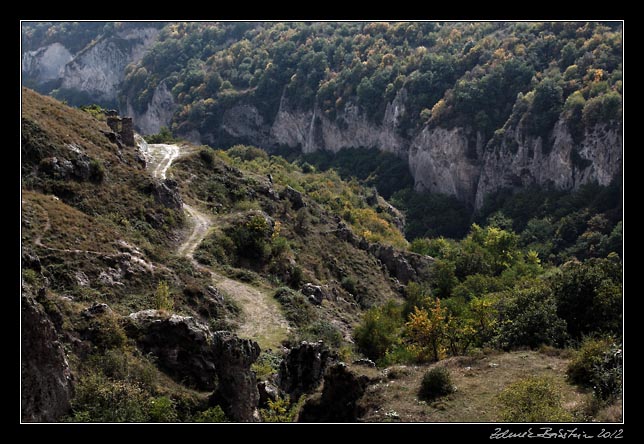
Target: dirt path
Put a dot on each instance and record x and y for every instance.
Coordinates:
(263, 320)
(162, 156)
(198, 233)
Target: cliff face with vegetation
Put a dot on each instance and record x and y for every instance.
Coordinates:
(472, 107)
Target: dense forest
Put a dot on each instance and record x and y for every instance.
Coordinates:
(454, 73)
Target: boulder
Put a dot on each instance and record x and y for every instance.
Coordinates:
(339, 399)
(267, 391)
(181, 344)
(47, 385)
(315, 293)
(167, 194)
(96, 309)
(295, 197)
(302, 369)
(236, 392)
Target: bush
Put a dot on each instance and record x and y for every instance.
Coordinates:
(598, 364)
(96, 171)
(322, 331)
(534, 399)
(162, 298)
(279, 410)
(164, 136)
(529, 318)
(99, 399)
(297, 309)
(379, 330)
(213, 414)
(207, 156)
(162, 409)
(436, 383)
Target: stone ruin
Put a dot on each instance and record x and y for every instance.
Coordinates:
(123, 126)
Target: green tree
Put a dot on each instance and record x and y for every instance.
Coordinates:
(379, 330)
(589, 296)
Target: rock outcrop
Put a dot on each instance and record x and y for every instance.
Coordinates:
(339, 399)
(166, 192)
(456, 161)
(182, 345)
(98, 69)
(158, 111)
(190, 353)
(45, 64)
(302, 369)
(520, 160)
(46, 377)
(236, 392)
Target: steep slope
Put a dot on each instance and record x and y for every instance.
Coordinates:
(132, 293)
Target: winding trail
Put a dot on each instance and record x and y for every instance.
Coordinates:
(263, 320)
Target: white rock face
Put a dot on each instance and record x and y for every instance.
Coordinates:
(314, 131)
(99, 68)
(528, 164)
(441, 160)
(46, 63)
(158, 112)
(439, 163)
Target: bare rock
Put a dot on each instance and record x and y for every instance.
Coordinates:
(167, 194)
(182, 345)
(236, 392)
(315, 293)
(302, 369)
(267, 391)
(339, 400)
(96, 309)
(47, 386)
(295, 197)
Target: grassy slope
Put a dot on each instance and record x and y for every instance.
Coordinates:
(478, 383)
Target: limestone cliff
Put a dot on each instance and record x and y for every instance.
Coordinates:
(46, 63)
(99, 68)
(96, 71)
(158, 112)
(453, 161)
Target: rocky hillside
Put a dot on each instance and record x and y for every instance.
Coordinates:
(472, 107)
(133, 310)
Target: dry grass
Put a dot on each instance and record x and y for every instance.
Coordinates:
(478, 382)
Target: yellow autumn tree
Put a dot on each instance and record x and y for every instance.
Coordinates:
(426, 332)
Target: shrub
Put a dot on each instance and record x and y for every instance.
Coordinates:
(349, 284)
(529, 318)
(164, 136)
(279, 410)
(598, 364)
(213, 414)
(379, 330)
(207, 156)
(162, 298)
(99, 399)
(534, 399)
(436, 383)
(297, 309)
(322, 331)
(162, 409)
(252, 238)
(96, 171)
